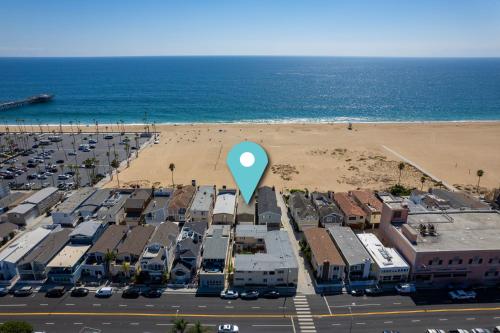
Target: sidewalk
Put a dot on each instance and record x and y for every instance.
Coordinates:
(304, 285)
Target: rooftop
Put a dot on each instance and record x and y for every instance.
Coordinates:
(460, 200)
(156, 203)
(324, 204)
(279, 255)
(217, 242)
(75, 200)
(22, 208)
(457, 230)
(48, 248)
(384, 257)
(303, 205)
(69, 256)
(98, 198)
(244, 208)
(137, 198)
(110, 239)
(347, 205)
(368, 198)
(251, 230)
(182, 197)
(41, 195)
(136, 240)
(267, 202)
(203, 199)
(166, 234)
(86, 229)
(353, 252)
(21, 246)
(225, 204)
(322, 246)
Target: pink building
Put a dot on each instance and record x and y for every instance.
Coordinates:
(453, 247)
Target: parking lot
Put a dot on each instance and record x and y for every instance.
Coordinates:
(34, 160)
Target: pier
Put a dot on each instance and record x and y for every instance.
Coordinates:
(42, 98)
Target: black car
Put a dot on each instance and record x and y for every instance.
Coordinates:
(23, 292)
(79, 292)
(374, 291)
(60, 161)
(56, 291)
(271, 294)
(249, 295)
(357, 292)
(152, 293)
(130, 293)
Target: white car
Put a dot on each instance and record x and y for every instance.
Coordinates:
(462, 295)
(406, 288)
(480, 330)
(229, 294)
(104, 292)
(228, 328)
(434, 330)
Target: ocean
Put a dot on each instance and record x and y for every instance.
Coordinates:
(251, 89)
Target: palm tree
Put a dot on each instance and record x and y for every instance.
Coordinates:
(171, 167)
(401, 166)
(422, 180)
(88, 166)
(108, 258)
(180, 325)
(127, 152)
(479, 174)
(198, 328)
(126, 269)
(115, 165)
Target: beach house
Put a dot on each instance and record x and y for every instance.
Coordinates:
(158, 255)
(215, 258)
(245, 213)
(34, 206)
(303, 212)
(268, 212)
(66, 266)
(328, 212)
(130, 250)
(354, 215)
(112, 210)
(135, 205)
(225, 207)
(87, 232)
(156, 211)
(67, 213)
(370, 204)
(180, 202)
(202, 205)
(89, 208)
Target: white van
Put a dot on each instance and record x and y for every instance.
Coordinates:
(104, 292)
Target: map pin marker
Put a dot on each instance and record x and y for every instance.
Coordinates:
(247, 162)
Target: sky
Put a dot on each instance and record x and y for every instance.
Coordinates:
(408, 28)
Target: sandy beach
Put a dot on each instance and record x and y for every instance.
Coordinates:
(325, 156)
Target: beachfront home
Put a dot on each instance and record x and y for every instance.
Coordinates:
(202, 205)
(357, 260)
(180, 202)
(159, 253)
(92, 205)
(245, 213)
(135, 204)
(215, 257)
(328, 212)
(11, 255)
(112, 210)
(354, 215)
(225, 207)
(66, 266)
(303, 212)
(100, 255)
(275, 265)
(66, 213)
(33, 266)
(370, 204)
(129, 251)
(388, 265)
(268, 212)
(325, 259)
(250, 238)
(87, 232)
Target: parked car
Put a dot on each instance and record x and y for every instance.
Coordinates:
(406, 288)
(389, 331)
(152, 293)
(108, 137)
(458, 330)
(62, 177)
(249, 295)
(373, 291)
(229, 294)
(227, 328)
(130, 292)
(56, 291)
(271, 294)
(92, 141)
(79, 292)
(434, 330)
(3, 291)
(357, 292)
(24, 291)
(480, 330)
(458, 295)
(60, 161)
(104, 292)
(496, 329)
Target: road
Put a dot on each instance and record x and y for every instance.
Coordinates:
(328, 314)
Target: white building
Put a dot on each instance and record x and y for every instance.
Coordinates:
(17, 250)
(388, 265)
(202, 205)
(225, 208)
(66, 267)
(67, 213)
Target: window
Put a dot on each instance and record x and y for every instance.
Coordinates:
(430, 262)
(480, 261)
(397, 214)
(470, 261)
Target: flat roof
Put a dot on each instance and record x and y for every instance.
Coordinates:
(87, 229)
(384, 257)
(21, 246)
(251, 230)
(225, 204)
(216, 242)
(353, 252)
(41, 195)
(457, 230)
(22, 209)
(203, 199)
(75, 200)
(68, 256)
(48, 248)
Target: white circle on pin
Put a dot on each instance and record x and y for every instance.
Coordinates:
(247, 159)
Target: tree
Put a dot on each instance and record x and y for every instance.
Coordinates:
(16, 327)
(479, 174)
(401, 166)
(422, 180)
(115, 165)
(108, 258)
(198, 328)
(126, 269)
(171, 167)
(180, 325)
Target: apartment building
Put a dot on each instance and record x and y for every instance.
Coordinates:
(215, 258)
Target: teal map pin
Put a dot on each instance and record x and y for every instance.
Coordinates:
(247, 162)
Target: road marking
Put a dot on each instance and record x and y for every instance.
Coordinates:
(397, 303)
(355, 305)
(77, 323)
(96, 304)
(149, 305)
(293, 324)
(415, 320)
(336, 324)
(106, 323)
(175, 306)
(360, 323)
(16, 305)
(202, 306)
(255, 307)
(388, 322)
(122, 305)
(327, 305)
(162, 324)
(49, 323)
(134, 324)
(70, 304)
(270, 325)
(443, 319)
(496, 317)
(470, 318)
(43, 304)
(229, 307)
